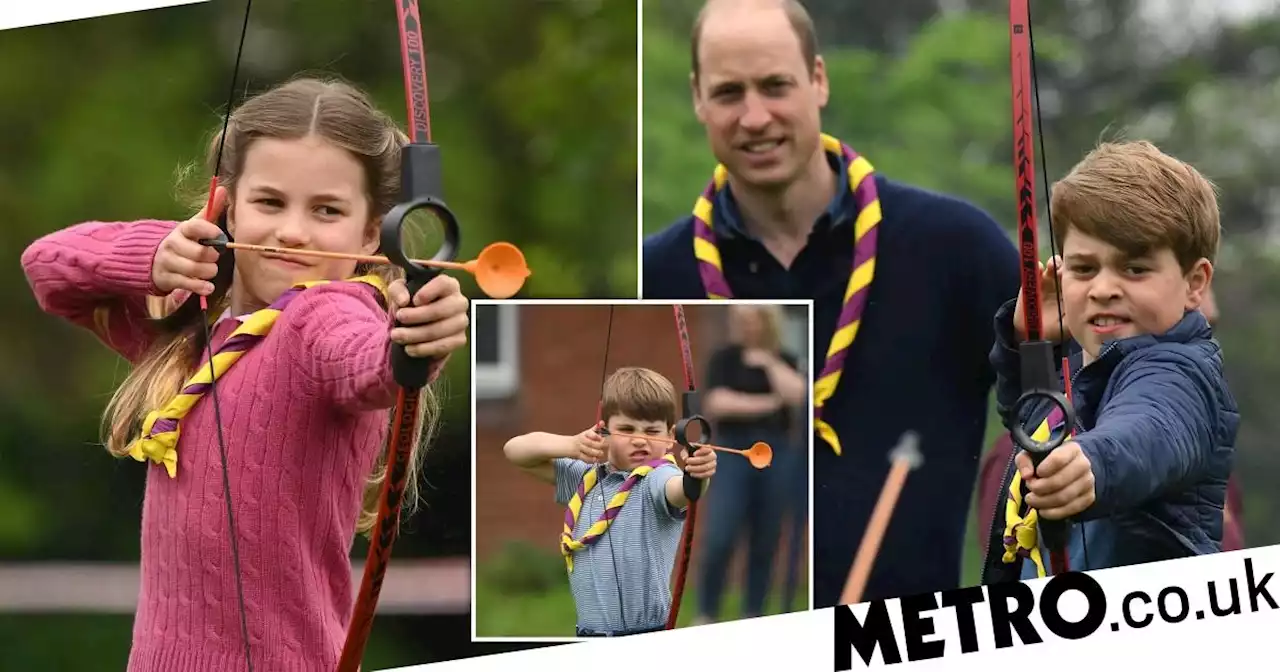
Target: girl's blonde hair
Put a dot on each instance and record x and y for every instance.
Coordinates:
(345, 116)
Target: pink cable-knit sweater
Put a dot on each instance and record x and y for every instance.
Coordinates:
(304, 416)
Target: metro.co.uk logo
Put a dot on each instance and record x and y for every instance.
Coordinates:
(1069, 606)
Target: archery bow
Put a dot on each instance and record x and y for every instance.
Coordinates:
(420, 188)
(1039, 375)
(690, 407)
(604, 505)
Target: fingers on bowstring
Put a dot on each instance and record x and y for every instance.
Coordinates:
(176, 272)
(188, 265)
(190, 257)
(191, 232)
(1053, 272)
(190, 284)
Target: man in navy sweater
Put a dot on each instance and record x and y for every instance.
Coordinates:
(905, 282)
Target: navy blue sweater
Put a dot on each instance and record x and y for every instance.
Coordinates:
(920, 362)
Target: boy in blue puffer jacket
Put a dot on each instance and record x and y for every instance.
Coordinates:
(1144, 477)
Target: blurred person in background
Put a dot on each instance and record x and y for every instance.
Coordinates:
(904, 281)
(753, 389)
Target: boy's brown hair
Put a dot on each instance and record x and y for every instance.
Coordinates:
(643, 394)
(1140, 200)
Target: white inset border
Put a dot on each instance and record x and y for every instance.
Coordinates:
(508, 331)
(24, 13)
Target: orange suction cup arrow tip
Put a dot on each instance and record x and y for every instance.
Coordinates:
(500, 270)
(760, 455)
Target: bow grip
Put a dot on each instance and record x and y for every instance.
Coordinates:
(692, 486)
(1039, 380)
(691, 407)
(420, 185)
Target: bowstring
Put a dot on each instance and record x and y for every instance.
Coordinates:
(604, 471)
(208, 341)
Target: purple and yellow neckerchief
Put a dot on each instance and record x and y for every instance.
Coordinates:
(569, 545)
(863, 185)
(1020, 537)
(159, 440)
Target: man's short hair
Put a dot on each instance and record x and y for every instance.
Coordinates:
(797, 15)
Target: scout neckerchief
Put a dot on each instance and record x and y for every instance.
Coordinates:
(1020, 538)
(159, 440)
(569, 545)
(862, 183)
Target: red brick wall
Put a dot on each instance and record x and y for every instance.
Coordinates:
(562, 350)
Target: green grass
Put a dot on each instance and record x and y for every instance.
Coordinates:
(523, 592)
(551, 614)
(95, 642)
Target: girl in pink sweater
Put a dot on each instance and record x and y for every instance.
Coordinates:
(303, 413)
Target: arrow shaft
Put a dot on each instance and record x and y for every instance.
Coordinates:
(363, 258)
(874, 535)
(663, 439)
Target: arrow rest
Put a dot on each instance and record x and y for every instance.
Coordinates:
(421, 181)
(219, 243)
(692, 486)
(1039, 381)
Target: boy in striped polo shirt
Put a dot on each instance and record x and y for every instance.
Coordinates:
(619, 564)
